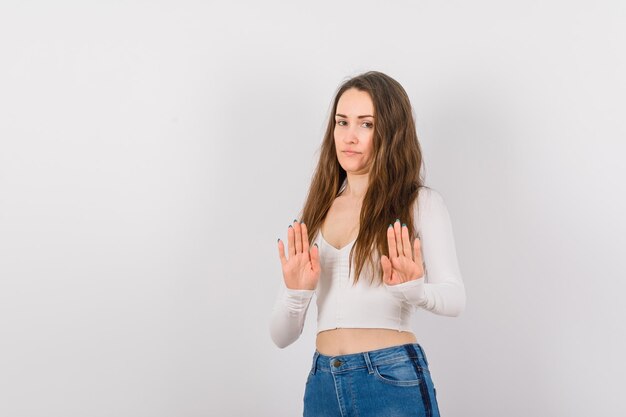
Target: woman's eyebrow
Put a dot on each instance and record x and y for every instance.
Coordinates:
(359, 117)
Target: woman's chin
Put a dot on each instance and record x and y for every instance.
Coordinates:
(355, 170)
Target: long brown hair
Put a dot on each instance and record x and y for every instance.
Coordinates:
(394, 177)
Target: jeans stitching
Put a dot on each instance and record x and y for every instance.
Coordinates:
(409, 383)
(402, 359)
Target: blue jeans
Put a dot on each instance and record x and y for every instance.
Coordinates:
(393, 381)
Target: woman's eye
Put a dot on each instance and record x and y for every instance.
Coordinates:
(365, 124)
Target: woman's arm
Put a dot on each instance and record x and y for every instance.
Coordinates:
(288, 314)
(300, 275)
(441, 290)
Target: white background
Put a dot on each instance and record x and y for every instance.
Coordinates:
(152, 153)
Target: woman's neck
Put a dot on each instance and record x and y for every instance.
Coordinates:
(356, 186)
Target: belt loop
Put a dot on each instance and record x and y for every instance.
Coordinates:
(314, 365)
(370, 368)
(423, 355)
(410, 349)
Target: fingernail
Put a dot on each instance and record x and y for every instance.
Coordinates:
(315, 244)
(278, 240)
(390, 225)
(302, 223)
(290, 226)
(397, 220)
(295, 220)
(403, 224)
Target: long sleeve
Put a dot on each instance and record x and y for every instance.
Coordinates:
(441, 290)
(288, 314)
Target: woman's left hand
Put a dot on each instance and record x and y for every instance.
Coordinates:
(405, 260)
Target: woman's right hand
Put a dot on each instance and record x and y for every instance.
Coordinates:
(302, 270)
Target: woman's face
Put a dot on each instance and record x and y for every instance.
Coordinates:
(354, 130)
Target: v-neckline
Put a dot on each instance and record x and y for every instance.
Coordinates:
(334, 248)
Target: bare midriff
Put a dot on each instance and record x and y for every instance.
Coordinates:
(344, 341)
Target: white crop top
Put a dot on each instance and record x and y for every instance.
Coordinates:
(364, 305)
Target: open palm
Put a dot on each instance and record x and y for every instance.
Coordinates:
(405, 260)
(302, 270)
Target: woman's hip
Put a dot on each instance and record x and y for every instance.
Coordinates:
(395, 380)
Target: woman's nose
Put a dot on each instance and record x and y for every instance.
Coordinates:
(350, 136)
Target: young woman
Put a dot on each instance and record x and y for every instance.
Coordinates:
(373, 244)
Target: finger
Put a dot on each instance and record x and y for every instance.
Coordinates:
(281, 252)
(391, 242)
(417, 253)
(290, 237)
(305, 238)
(417, 245)
(315, 258)
(296, 226)
(406, 242)
(398, 234)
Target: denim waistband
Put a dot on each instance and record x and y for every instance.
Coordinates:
(367, 359)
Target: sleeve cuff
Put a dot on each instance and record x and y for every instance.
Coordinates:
(297, 300)
(410, 291)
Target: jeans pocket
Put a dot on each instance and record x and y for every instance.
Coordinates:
(402, 373)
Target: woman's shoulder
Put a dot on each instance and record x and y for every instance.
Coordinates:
(430, 203)
(428, 195)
